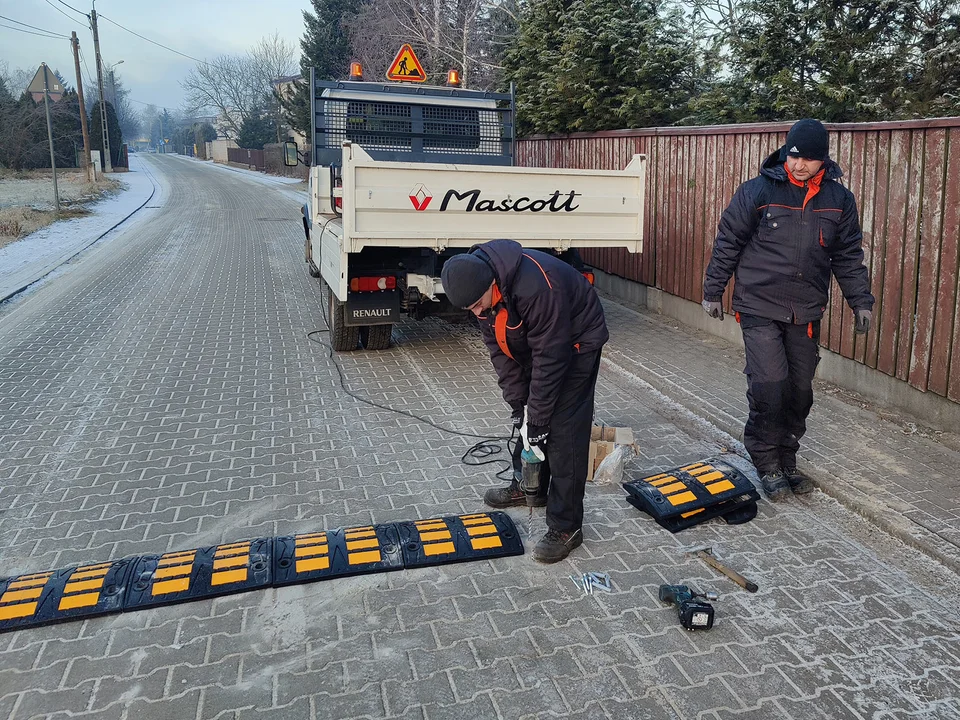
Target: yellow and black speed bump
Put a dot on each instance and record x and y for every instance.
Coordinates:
(458, 538)
(336, 553)
(68, 594)
(688, 495)
(196, 574)
(174, 577)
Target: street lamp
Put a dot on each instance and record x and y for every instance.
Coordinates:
(113, 84)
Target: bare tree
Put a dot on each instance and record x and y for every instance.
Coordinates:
(239, 86)
(462, 34)
(16, 79)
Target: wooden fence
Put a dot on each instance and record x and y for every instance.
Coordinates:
(909, 201)
(243, 156)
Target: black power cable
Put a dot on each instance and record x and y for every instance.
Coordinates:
(478, 454)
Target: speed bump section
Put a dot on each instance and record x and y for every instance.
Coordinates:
(196, 574)
(685, 496)
(336, 553)
(458, 538)
(66, 594)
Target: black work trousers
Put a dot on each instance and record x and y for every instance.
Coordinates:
(781, 361)
(563, 477)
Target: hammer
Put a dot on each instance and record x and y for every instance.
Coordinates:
(706, 554)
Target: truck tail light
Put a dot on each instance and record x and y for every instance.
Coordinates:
(373, 283)
(338, 203)
(589, 276)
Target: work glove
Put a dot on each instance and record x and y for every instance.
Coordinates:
(537, 439)
(862, 323)
(517, 416)
(714, 308)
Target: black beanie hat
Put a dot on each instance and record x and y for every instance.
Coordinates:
(465, 279)
(808, 139)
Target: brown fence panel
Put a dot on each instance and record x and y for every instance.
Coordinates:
(244, 156)
(909, 204)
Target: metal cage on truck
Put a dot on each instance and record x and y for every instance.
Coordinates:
(401, 123)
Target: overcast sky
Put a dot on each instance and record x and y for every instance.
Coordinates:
(200, 28)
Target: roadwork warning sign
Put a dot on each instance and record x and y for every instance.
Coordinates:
(405, 67)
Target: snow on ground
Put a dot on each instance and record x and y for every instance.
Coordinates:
(254, 174)
(35, 189)
(293, 188)
(29, 259)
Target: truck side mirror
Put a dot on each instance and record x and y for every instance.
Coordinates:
(291, 155)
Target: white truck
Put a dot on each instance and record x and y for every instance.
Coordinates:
(404, 177)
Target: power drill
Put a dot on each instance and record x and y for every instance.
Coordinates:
(694, 614)
(531, 460)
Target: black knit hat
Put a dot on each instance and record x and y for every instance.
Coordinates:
(808, 139)
(465, 279)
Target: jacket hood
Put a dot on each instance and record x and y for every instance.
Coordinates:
(773, 168)
(504, 257)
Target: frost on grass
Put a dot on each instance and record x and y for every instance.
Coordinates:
(27, 200)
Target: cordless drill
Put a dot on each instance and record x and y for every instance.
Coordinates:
(694, 614)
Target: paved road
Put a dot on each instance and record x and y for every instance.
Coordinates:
(163, 395)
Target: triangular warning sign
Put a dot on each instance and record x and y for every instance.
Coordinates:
(405, 67)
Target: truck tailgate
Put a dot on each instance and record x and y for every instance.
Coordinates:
(438, 206)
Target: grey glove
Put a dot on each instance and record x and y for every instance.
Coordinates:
(862, 324)
(714, 308)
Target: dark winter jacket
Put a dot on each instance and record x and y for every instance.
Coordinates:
(784, 240)
(548, 311)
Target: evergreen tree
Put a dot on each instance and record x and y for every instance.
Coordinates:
(25, 135)
(836, 60)
(67, 130)
(113, 127)
(586, 65)
(325, 48)
(257, 130)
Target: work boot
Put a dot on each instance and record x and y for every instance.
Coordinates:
(510, 496)
(775, 485)
(799, 482)
(556, 545)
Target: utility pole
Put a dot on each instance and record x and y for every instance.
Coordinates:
(53, 160)
(85, 160)
(107, 166)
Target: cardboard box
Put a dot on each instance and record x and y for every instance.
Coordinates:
(603, 441)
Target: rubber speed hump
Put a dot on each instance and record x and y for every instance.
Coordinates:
(150, 580)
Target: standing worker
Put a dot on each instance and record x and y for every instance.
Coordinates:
(783, 233)
(543, 324)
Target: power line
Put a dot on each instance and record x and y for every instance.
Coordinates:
(79, 12)
(85, 66)
(68, 17)
(34, 27)
(52, 36)
(189, 57)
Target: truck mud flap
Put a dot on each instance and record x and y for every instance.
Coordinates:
(372, 308)
(685, 496)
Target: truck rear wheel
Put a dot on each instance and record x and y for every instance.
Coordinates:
(376, 337)
(342, 337)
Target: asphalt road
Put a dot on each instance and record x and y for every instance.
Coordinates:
(162, 394)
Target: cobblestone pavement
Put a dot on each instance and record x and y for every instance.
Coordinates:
(163, 395)
(901, 475)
